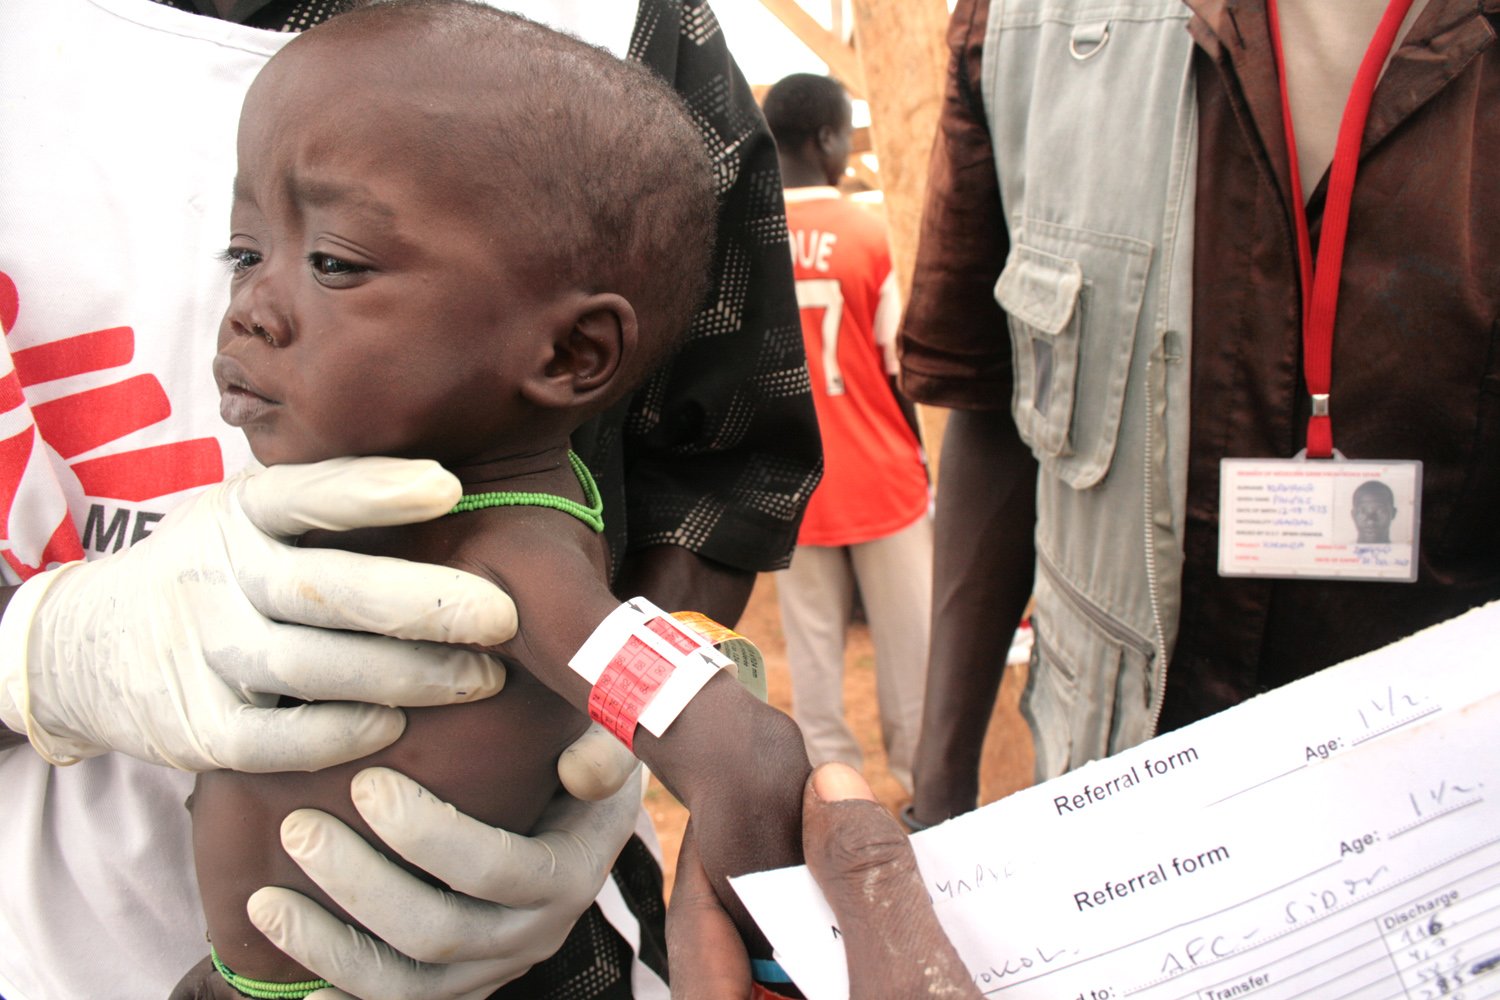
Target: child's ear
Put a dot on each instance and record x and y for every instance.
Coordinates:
(585, 353)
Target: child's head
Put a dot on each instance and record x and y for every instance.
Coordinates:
(455, 234)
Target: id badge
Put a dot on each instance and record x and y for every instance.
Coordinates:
(1332, 519)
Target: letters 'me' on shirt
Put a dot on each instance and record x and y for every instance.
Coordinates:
(874, 482)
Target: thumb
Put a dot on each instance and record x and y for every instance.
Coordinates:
(864, 863)
(596, 765)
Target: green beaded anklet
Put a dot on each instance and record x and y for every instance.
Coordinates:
(592, 515)
(262, 990)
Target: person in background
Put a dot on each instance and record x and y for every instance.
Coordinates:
(867, 527)
(119, 132)
(1126, 225)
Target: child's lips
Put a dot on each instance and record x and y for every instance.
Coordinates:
(239, 407)
(240, 402)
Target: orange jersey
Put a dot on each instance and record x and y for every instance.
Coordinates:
(874, 478)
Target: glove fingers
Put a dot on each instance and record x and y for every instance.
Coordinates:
(357, 962)
(564, 863)
(325, 665)
(594, 830)
(350, 591)
(420, 920)
(472, 857)
(310, 934)
(346, 590)
(290, 500)
(596, 765)
(303, 738)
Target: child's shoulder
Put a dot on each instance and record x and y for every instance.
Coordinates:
(554, 569)
(542, 558)
(517, 543)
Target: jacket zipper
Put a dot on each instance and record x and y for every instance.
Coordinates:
(1153, 586)
(1106, 624)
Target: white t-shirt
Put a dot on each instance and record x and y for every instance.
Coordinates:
(117, 119)
(1325, 41)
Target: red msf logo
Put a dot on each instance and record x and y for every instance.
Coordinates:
(37, 528)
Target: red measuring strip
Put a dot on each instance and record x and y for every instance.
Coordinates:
(674, 635)
(626, 686)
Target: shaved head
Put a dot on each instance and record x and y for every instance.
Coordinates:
(593, 158)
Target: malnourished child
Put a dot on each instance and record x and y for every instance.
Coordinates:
(456, 236)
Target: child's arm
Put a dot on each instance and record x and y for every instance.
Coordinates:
(735, 762)
(677, 578)
(739, 766)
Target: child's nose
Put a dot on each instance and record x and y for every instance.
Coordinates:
(254, 311)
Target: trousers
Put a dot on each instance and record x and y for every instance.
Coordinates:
(816, 595)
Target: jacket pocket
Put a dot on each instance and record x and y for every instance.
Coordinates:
(1088, 693)
(1072, 299)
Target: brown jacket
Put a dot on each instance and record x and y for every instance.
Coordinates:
(1416, 365)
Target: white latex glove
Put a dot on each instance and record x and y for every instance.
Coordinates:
(176, 649)
(521, 895)
(597, 764)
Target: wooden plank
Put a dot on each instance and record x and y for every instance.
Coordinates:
(904, 55)
(841, 59)
(860, 141)
(864, 174)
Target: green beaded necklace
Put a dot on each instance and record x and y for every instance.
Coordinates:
(592, 515)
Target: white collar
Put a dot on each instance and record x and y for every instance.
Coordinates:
(816, 192)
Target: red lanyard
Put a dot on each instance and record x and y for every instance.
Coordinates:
(1320, 287)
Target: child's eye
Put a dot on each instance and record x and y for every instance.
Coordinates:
(326, 266)
(239, 259)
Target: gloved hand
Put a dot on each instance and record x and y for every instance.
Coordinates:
(176, 649)
(522, 894)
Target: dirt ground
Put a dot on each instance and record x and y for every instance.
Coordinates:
(1007, 764)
